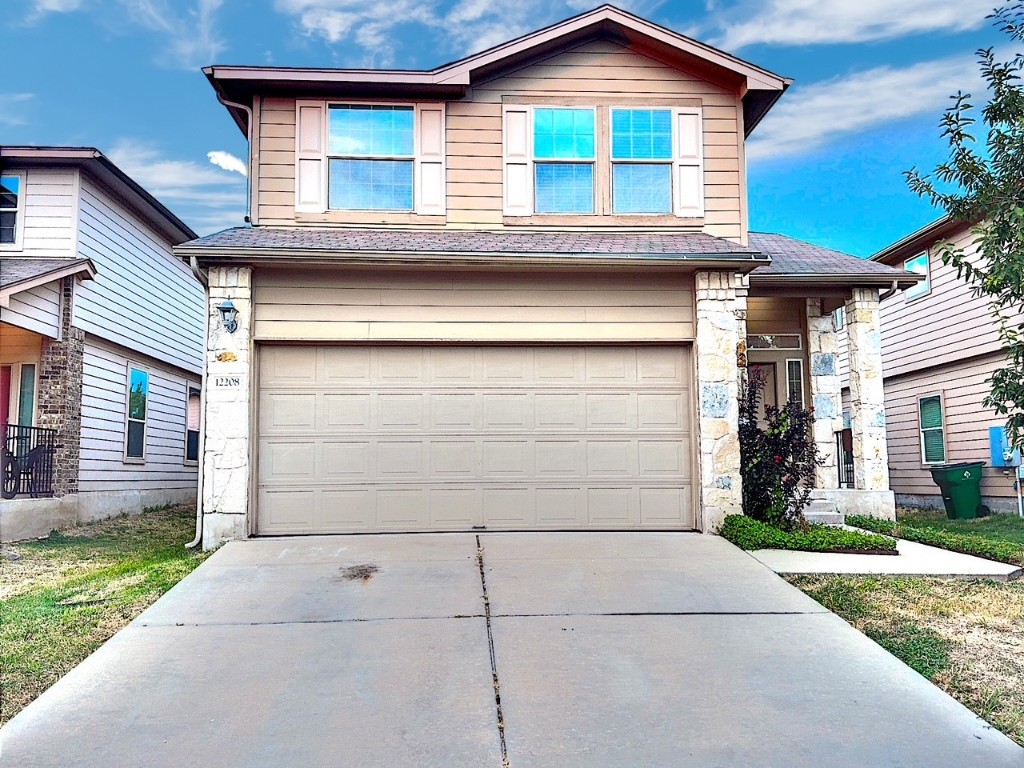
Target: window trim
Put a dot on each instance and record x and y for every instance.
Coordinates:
(129, 367)
(803, 383)
(923, 288)
(14, 398)
(921, 430)
(839, 318)
(189, 389)
(19, 213)
(413, 158)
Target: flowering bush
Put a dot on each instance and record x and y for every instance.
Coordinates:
(778, 457)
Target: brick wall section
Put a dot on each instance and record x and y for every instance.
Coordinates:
(59, 400)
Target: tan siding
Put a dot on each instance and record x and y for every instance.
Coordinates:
(948, 324)
(601, 73)
(317, 305)
(767, 315)
(966, 423)
(18, 345)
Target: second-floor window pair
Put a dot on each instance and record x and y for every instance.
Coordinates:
(653, 157)
(565, 151)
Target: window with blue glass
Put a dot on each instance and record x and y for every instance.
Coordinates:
(641, 160)
(563, 152)
(371, 150)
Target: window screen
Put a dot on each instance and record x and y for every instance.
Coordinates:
(642, 160)
(933, 447)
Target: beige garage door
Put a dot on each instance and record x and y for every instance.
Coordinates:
(460, 438)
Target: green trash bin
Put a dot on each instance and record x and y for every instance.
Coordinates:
(961, 489)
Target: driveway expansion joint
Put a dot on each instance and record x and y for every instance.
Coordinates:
(494, 661)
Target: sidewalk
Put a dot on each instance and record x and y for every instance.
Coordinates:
(913, 560)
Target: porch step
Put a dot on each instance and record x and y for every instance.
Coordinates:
(823, 512)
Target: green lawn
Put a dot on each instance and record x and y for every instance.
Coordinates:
(69, 593)
(964, 636)
(1003, 527)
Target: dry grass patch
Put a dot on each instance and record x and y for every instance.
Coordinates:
(69, 593)
(965, 636)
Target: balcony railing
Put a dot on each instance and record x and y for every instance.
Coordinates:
(26, 461)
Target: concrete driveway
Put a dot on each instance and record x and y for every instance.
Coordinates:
(529, 650)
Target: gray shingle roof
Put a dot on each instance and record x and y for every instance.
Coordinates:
(796, 257)
(440, 241)
(17, 270)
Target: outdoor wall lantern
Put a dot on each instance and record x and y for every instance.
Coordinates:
(228, 316)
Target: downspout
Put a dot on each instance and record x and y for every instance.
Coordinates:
(194, 265)
(248, 169)
(891, 292)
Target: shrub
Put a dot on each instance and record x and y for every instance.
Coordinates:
(1000, 551)
(748, 533)
(777, 460)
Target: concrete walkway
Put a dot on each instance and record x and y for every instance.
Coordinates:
(913, 560)
(531, 650)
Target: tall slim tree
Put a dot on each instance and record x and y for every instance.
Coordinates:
(982, 183)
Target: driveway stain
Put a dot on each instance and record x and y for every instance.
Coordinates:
(363, 572)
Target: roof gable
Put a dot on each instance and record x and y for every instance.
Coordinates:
(758, 87)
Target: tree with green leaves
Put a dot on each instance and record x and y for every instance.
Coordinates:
(982, 184)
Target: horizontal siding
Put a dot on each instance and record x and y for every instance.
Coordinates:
(768, 315)
(50, 213)
(919, 333)
(37, 309)
(104, 398)
(143, 297)
(320, 306)
(604, 73)
(967, 422)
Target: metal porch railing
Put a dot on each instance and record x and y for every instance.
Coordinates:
(26, 461)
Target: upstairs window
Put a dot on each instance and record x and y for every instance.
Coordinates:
(11, 205)
(371, 157)
(563, 152)
(933, 444)
(919, 266)
(641, 161)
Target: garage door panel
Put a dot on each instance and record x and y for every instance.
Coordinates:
(665, 508)
(287, 412)
(452, 438)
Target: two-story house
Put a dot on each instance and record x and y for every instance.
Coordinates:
(101, 344)
(940, 345)
(517, 291)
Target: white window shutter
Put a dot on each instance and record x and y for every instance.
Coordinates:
(688, 164)
(310, 156)
(518, 161)
(430, 166)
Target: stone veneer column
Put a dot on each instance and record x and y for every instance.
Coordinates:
(59, 399)
(227, 404)
(721, 341)
(826, 392)
(870, 452)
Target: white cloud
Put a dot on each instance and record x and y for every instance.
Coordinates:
(368, 23)
(808, 22)
(192, 37)
(811, 116)
(203, 196)
(228, 162)
(42, 7)
(12, 108)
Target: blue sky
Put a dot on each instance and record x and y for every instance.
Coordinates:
(872, 78)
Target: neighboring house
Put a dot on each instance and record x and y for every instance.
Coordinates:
(515, 292)
(101, 344)
(940, 344)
